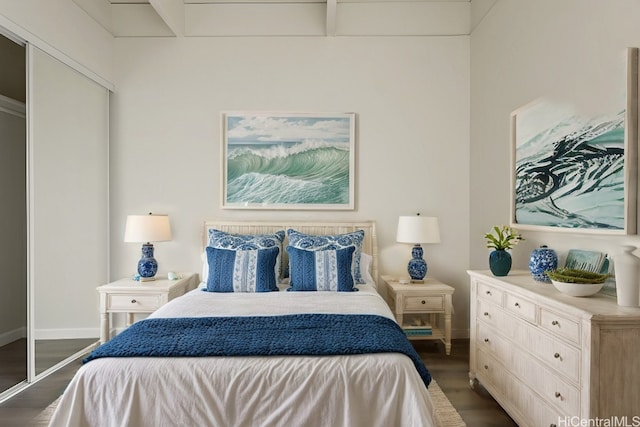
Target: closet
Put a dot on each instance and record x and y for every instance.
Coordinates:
(13, 215)
(58, 216)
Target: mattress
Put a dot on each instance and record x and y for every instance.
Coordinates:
(382, 389)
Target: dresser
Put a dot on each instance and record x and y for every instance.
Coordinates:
(130, 296)
(550, 359)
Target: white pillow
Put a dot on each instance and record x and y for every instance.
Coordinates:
(365, 267)
(205, 267)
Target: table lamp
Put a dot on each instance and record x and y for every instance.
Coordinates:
(146, 229)
(417, 229)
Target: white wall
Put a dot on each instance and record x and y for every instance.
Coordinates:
(411, 96)
(523, 50)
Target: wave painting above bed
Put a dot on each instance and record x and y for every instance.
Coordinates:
(288, 160)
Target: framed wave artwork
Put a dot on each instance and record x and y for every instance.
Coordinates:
(288, 160)
(576, 170)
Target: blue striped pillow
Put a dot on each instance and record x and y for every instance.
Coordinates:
(337, 241)
(328, 270)
(224, 240)
(242, 270)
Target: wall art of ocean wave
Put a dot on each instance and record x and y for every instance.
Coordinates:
(308, 172)
(571, 174)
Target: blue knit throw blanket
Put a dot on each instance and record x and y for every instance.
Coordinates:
(295, 334)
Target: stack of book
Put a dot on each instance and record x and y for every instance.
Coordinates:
(417, 327)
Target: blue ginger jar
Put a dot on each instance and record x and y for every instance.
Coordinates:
(541, 260)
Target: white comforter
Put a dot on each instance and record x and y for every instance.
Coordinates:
(359, 390)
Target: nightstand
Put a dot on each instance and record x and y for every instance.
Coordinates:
(130, 296)
(423, 310)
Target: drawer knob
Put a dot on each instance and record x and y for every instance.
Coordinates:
(423, 301)
(486, 366)
(555, 323)
(517, 304)
(552, 425)
(486, 340)
(557, 355)
(488, 292)
(558, 395)
(133, 301)
(486, 313)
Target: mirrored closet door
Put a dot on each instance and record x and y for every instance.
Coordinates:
(13, 215)
(54, 127)
(68, 116)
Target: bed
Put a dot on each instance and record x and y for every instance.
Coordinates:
(363, 383)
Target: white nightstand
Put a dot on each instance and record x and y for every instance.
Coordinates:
(129, 296)
(423, 310)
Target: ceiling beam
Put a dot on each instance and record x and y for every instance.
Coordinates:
(331, 17)
(172, 13)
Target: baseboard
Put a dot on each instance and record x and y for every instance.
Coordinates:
(61, 334)
(460, 334)
(13, 335)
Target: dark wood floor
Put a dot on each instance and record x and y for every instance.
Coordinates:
(13, 363)
(476, 407)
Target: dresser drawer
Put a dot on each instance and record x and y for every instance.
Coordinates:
(547, 383)
(490, 341)
(432, 303)
(491, 314)
(560, 325)
(490, 370)
(490, 293)
(521, 307)
(561, 394)
(132, 303)
(563, 358)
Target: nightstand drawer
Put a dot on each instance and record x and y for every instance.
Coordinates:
(431, 303)
(132, 302)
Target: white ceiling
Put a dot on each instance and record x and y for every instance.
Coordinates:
(224, 18)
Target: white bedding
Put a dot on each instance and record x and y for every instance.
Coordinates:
(358, 390)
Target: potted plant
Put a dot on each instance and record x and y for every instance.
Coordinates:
(500, 239)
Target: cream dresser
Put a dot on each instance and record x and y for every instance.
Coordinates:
(550, 359)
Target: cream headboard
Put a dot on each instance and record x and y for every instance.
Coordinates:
(369, 244)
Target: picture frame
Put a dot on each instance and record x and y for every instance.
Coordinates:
(573, 172)
(281, 160)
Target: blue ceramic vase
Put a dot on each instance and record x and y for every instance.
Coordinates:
(500, 262)
(541, 260)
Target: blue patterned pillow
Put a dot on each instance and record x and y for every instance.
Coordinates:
(242, 271)
(321, 270)
(223, 240)
(338, 241)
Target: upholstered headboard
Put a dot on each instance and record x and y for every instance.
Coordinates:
(369, 244)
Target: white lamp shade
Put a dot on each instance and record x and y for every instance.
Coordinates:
(418, 229)
(147, 228)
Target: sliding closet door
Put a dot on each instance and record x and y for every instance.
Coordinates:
(68, 208)
(13, 244)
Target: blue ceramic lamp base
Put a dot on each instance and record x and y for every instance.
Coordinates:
(147, 266)
(417, 267)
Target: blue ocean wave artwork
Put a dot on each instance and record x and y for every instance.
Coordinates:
(285, 160)
(569, 170)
